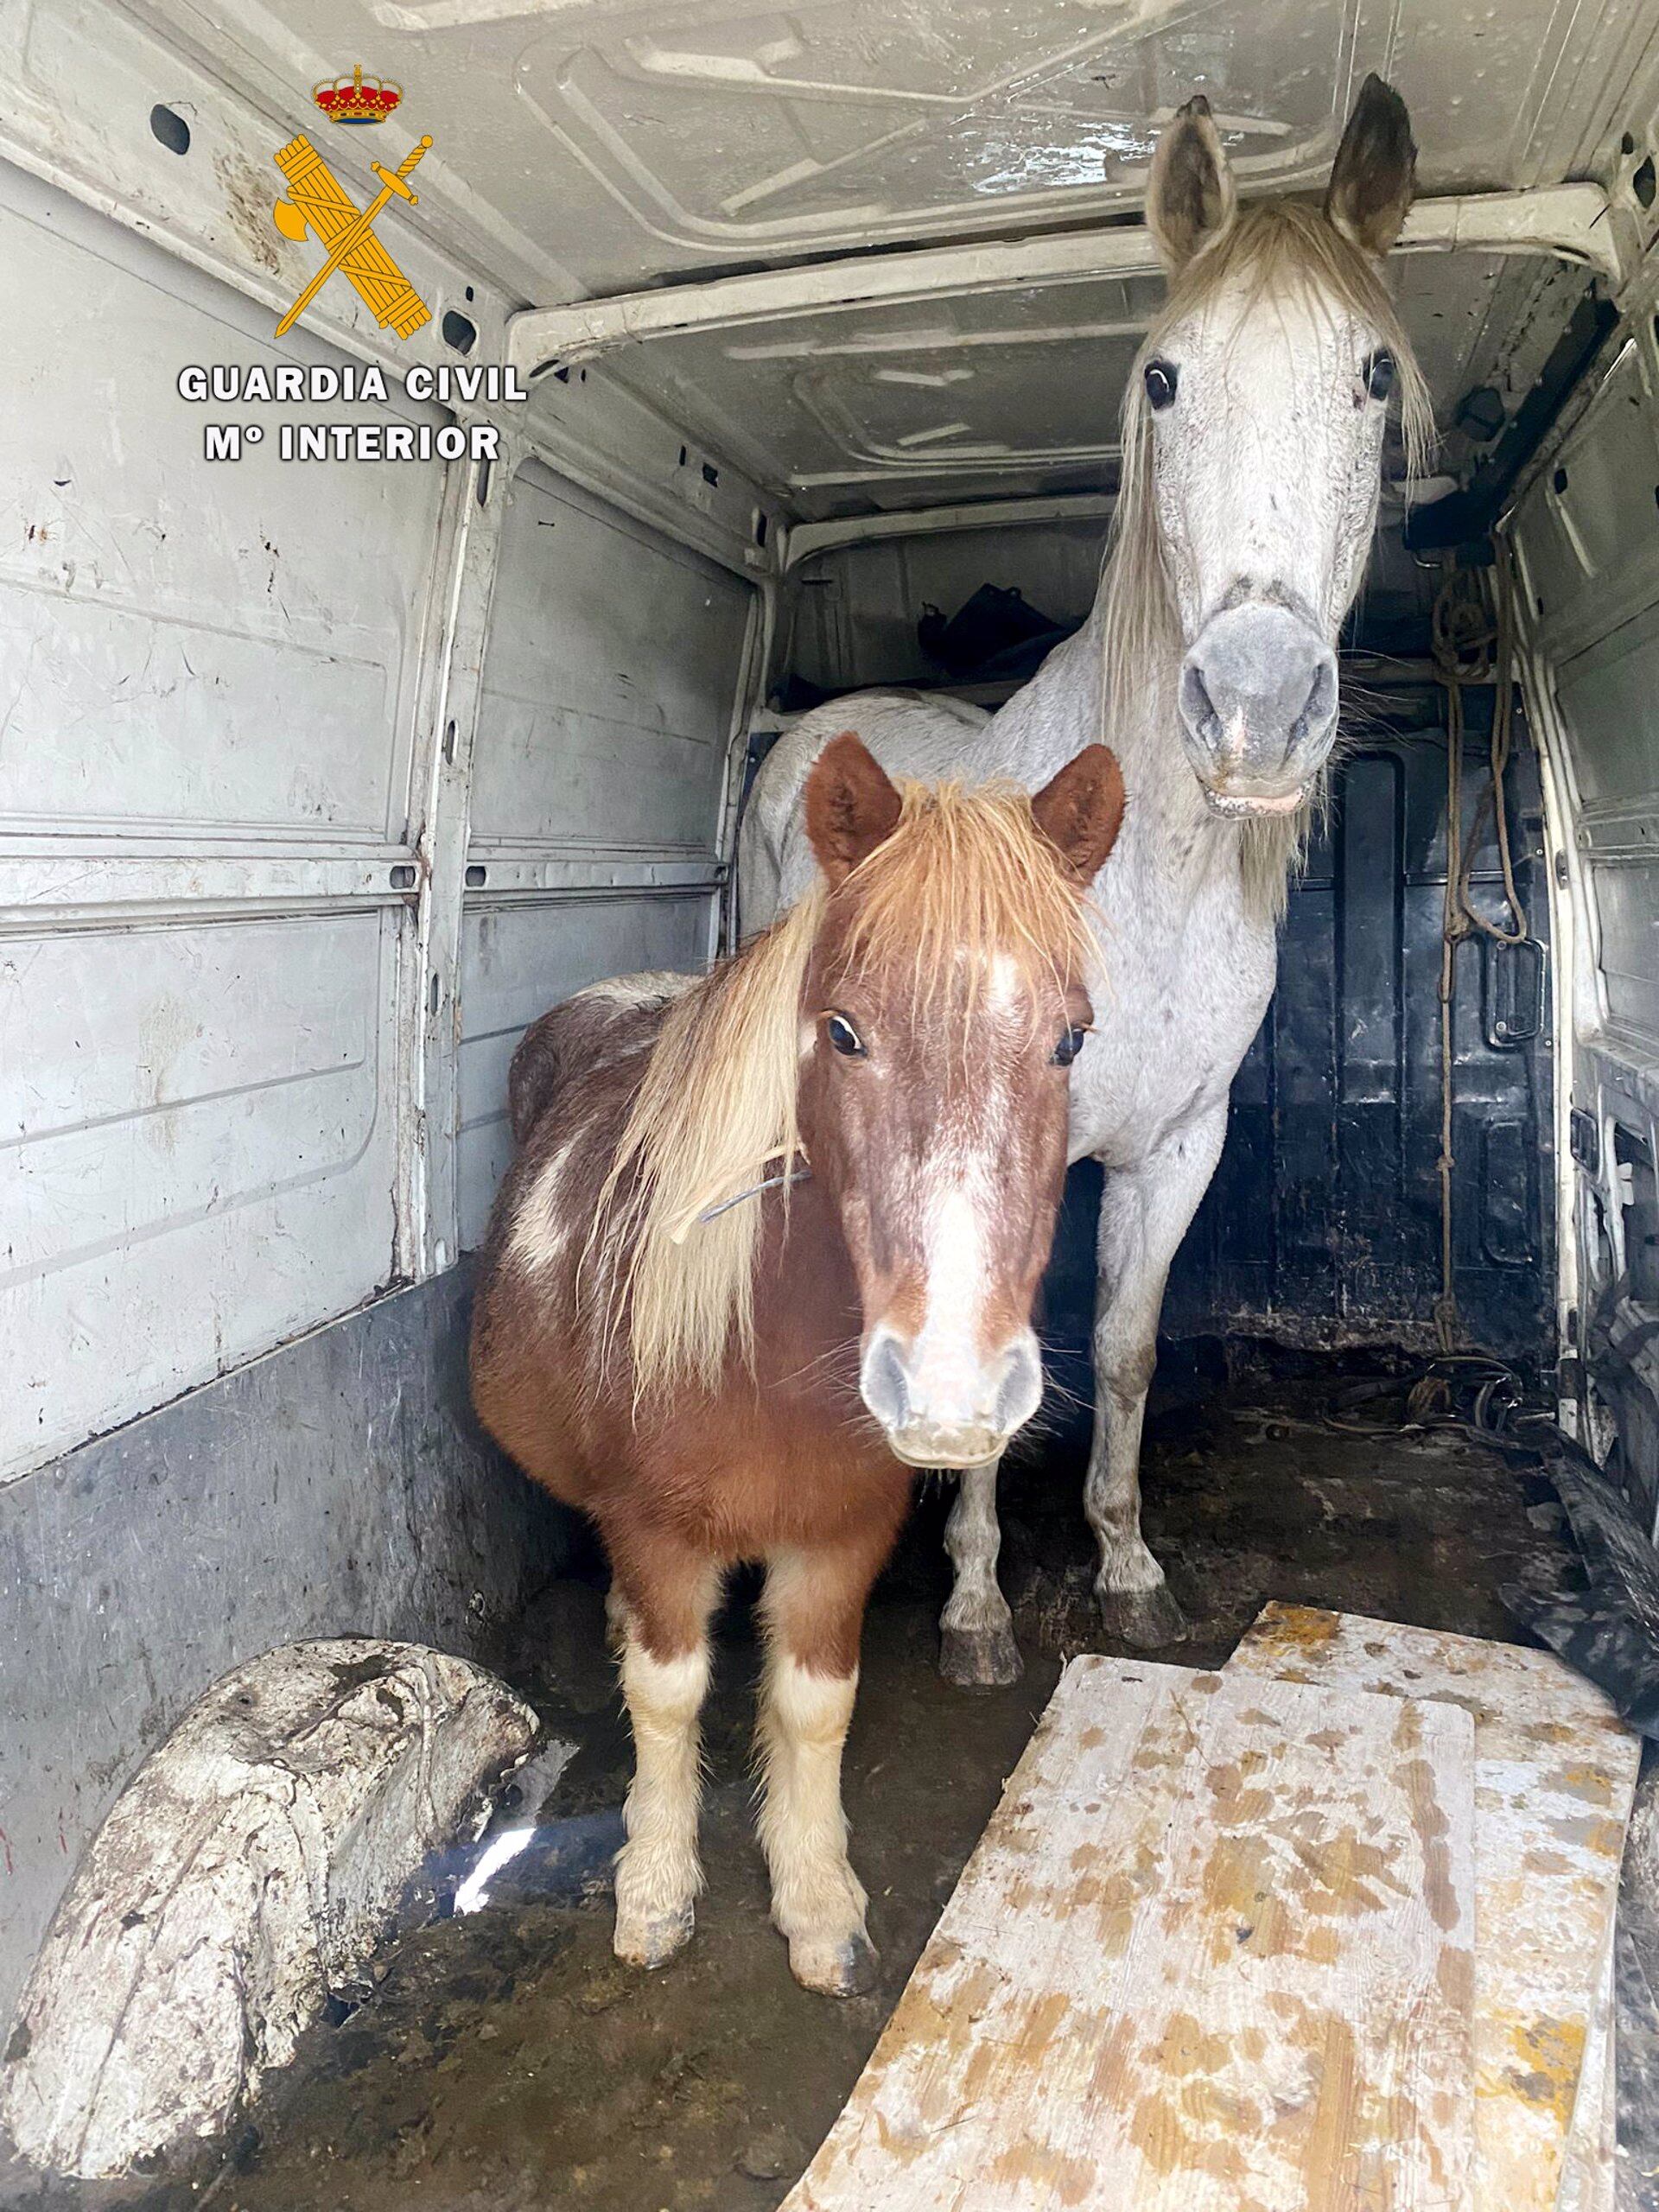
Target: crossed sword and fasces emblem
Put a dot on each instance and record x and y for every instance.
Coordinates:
(317, 203)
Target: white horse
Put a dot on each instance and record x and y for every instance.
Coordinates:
(1253, 435)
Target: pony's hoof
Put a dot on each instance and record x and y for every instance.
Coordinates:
(847, 1968)
(979, 1658)
(651, 1940)
(1146, 1619)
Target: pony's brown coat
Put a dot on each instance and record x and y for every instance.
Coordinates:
(639, 1109)
(693, 1382)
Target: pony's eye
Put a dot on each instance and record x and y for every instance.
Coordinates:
(1159, 379)
(1379, 375)
(842, 1035)
(1069, 1047)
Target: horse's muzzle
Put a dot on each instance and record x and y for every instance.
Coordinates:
(949, 1411)
(1258, 706)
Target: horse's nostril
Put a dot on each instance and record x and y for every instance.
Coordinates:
(883, 1384)
(1197, 711)
(1320, 705)
(1020, 1391)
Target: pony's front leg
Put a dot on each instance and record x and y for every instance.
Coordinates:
(813, 1609)
(1144, 1214)
(976, 1645)
(665, 1669)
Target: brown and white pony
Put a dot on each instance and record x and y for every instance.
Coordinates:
(716, 1375)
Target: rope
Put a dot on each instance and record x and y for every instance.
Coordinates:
(1473, 645)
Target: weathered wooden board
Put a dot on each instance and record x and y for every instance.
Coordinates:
(1215, 1949)
(1555, 1770)
(1589, 2176)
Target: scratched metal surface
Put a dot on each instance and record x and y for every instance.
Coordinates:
(613, 676)
(587, 149)
(1215, 1949)
(629, 141)
(197, 1105)
(214, 825)
(1555, 1772)
(1586, 536)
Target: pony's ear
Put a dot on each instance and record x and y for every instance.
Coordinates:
(1376, 169)
(1080, 811)
(1191, 196)
(851, 806)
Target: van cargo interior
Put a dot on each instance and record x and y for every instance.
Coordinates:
(320, 779)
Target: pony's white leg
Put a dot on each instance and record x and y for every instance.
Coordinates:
(818, 1901)
(806, 1703)
(1144, 1214)
(976, 1645)
(658, 1874)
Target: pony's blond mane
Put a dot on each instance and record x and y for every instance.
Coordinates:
(965, 872)
(1276, 248)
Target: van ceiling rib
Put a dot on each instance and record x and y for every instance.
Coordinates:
(1574, 223)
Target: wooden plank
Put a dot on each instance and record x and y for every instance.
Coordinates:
(1589, 2174)
(1553, 1776)
(1214, 1949)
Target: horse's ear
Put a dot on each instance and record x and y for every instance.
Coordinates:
(1081, 810)
(1190, 196)
(851, 806)
(1376, 170)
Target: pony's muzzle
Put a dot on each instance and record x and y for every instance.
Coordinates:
(1258, 706)
(949, 1410)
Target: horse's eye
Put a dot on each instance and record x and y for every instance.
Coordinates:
(1379, 375)
(842, 1035)
(1159, 379)
(1069, 1047)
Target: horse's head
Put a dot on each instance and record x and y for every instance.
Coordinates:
(944, 1002)
(1253, 439)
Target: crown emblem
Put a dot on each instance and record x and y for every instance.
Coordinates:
(357, 99)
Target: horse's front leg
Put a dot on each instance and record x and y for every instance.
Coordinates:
(813, 1609)
(1144, 1214)
(976, 1645)
(661, 1626)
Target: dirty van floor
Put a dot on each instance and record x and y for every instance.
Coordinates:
(505, 2064)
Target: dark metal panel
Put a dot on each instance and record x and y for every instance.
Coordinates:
(1322, 1226)
(1302, 1032)
(1371, 1256)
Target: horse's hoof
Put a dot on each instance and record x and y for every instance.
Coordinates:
(651, 1940)
(847, 1968)
(979, 1658)
(1146, 1619)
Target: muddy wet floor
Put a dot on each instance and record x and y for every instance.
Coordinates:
(505, 2064)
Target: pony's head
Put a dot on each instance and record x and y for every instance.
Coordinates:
(1252, 437)
(907, 1025)
(943, 1003)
